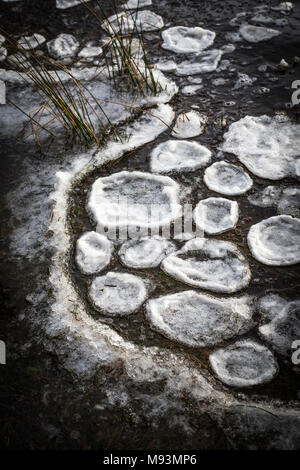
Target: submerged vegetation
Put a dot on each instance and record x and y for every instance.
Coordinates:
(72, 104)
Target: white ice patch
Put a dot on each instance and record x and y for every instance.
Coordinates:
(267, 147)
(181, 39)
(130, 199)
(214, 265)
(133, 4)
(257, 33)
(276, 241)
(244, 364)
(64, 45)
(144, 20)
(63, 4)
(225, 178)
(189, 124)
(166, 65)
(283, 329)
(199, 320)
(243, 81)
(3, 53)
(145, 252)
(31, 42)
(93, 252)
(271, 305)
(203, 63)
(190, 90)
(90, 51)
(118, 293)
(216, 215)
(179, 155)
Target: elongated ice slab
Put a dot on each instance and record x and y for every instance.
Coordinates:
(64, 45)
(3, 53)
(133, 4)
(204, 62)
(257, 33)
(244, 364)
(118, 293)
(143, 20)
(189, 124)
(179, 155)
(145, 252)
(225, 178)
(131, 199)
(214, 265)
(276, 241)
(199, 320)
(186, 40)
(93, 252)
(31, 42)
(90, 51)
(216, 215)
(63, 4)
(268, 147)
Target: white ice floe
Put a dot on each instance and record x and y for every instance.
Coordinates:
(90, 51)
(270, 305)
(166, 65)
(118, 293)
(228, 179)
(284, 7)
(243, 81)
(189, 124)
(124, 22)
(31, 42)
(134, 199)
(3, 53)
(64, 45)
(179, 155)
(145, 252)
(276, 241)
(133, 4)
(287, 200)
(204, 62)
(216, 215)
(214, 265)
(268, 147)
(93, 252)
(257, 33)
(63, 4)
(283, 329)
(182, 39)
(190, 90)
(199, 320)
(244, 363)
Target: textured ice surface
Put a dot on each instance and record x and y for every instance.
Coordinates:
(130, 199)
(257, 33)
(287, 200)
(283, 329)
(179, 155)
(225, 178)
(144, 20)
(268, 147)
(206, 61)
(243, 81)
(190, 90)
(63, 4)
(199, 320)
(117, 293)
(145, 252)
(244, 364)
(64, 45)
(186, 40)
(90, 51)
(270, 305)
(216, 215)
(166, 65)
(189, 124)
(93, 252)
(31, 42)
(214, 265)
(132, 4)
(276, 241)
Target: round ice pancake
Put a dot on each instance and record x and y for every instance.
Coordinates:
(214, 265)
(216, 215)
(276, 241)
(189, 124)
(179, 155)
(225, 178)
(93, 252)
(145, 252)
(199, 320)
(257, 33)
(244, 364)
(182, 39)
(117, 293)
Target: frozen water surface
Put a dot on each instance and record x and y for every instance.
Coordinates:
(214, 265)
(216, 215)
(93, 252)
(225, 178)
(181, 39)
(199, 320)
(145, 252)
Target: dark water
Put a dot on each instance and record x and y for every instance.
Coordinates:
(42, 405)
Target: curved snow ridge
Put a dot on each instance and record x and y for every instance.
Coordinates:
(214, 265)
(182, 39)
(199, 320)
(276, 241)
(267, 146)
